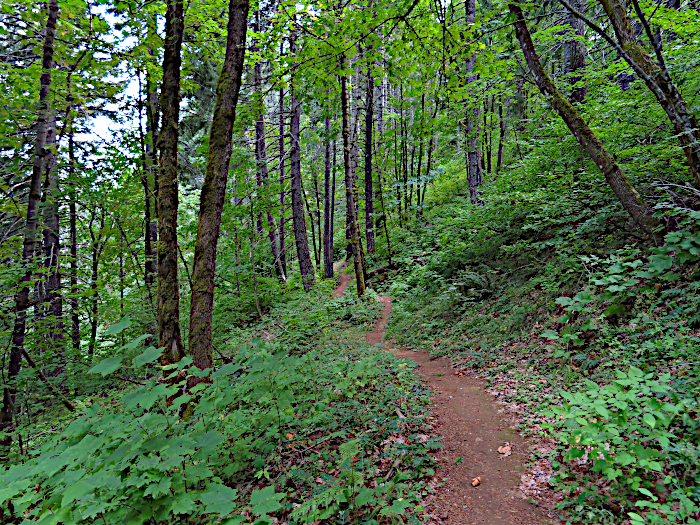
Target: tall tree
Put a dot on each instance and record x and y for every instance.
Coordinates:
(574, 62)
(213, 193)
(472, 117)
(369, 191)
(351, 210)
(625, 192)
(170, 338)
(327, 208)
(30, 228)
(300, 238)
(261, 153)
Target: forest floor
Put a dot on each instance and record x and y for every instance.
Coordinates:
(472, 431)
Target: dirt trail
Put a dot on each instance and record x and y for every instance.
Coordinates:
(472, 430)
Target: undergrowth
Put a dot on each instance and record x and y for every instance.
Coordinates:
(302, 427)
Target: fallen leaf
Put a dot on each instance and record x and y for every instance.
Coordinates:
(289, 435)
(398, 413)
(541, 380)
(505, 450)
(319, 481)
(476, 481)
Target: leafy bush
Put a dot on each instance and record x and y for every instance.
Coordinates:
(627, 431)
(136, 459)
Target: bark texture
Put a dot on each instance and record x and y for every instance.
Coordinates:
(575, 54)
(654, 74)
(169, 335)
(327, 214)
(211, 202)
(351, 210)
(369, 191)
(30, 229)
(300, 238)
(473, 118)
(261, 156)
(623, 189)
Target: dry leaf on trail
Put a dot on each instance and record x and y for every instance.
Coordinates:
(289, 435)
(476, 481)
(319, 481)
(505, 450)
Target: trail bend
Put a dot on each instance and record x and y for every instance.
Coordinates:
(471, 429)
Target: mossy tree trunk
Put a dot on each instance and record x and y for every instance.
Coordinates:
(213, 193)
(300, 238)
(621, 186)
(351, 210)
(369, 187)
(472, 120)
(169, 335)
(654, 74)
(327, 208)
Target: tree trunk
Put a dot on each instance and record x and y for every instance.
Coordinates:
(575, 54)
(283, 251)
(52, 310)
(310, 212)
(213, 193)
(369, 191)
(170, 338)
(501, 137)
(473, 117)
(30, 230)
(327, 219)
(332, 218)
(150, 170)
(654, 74)
(96, 247)
(73, 219)
(351, 210)
(625, 192)
(261, 156)
(301, 240)
(318, 221)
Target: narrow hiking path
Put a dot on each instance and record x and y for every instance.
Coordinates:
(468, 421)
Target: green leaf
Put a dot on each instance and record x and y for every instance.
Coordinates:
(218, 499)
(226, 370)
(399, 506)
(364, 496)
(118, 327)
(550, 334)
(183, 504)
(150, 354)
(107, 366)
(76, 491)
(649, 419)
(266, 500)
